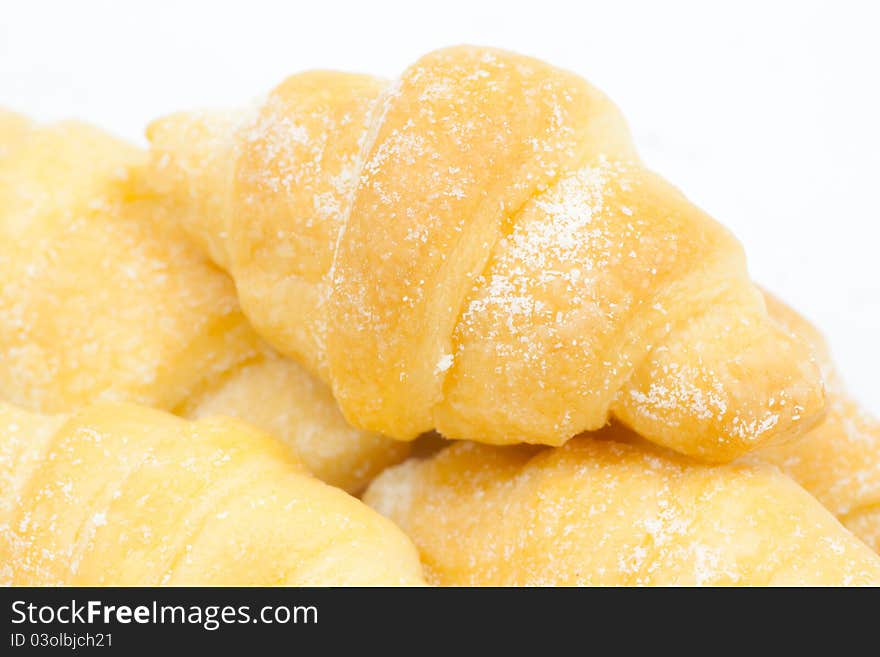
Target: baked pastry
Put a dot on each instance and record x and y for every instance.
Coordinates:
(101, 298)
(282, 398)
(839, 461)
(601, 512)
(477, 248)
(123, 495)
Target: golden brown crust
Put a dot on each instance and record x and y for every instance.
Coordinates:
(502, 266)
(839, 461)
(600, 512)
(103, 297)
(124, 495)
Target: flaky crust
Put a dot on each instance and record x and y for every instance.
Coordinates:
(103, 298)
(477, 248)
(601, 512)
(839, 461)
(123, 495)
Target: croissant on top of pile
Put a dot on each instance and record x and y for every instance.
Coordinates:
(447, 329)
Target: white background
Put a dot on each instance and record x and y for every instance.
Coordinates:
(766, 114)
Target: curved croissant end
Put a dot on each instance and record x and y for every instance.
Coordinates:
(477, 248)
(601, 512)
(123, 495)
(839, 461)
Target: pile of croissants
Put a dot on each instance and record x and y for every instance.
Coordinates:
(446, 330)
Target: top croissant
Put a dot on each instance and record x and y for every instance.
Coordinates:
(476, 247)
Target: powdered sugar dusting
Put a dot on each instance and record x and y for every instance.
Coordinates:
(596, 512)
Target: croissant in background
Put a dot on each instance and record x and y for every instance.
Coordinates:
(601, 512)
(124, 495)
(477, 248)
(102, 299)
(839, 461)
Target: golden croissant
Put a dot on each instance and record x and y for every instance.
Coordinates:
(103, 298)
(119, 494)
(601, 512)
(477, 248)
(839, 461)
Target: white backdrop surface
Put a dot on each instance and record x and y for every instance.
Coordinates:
(766, 113)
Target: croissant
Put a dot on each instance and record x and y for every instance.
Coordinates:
(101, 298)
(119, 494)
(839, 461)
(601, 512)
(477, 248)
